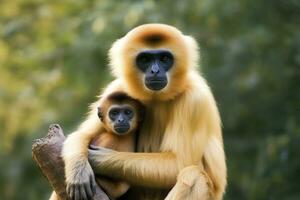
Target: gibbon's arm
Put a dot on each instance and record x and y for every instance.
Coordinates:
(80, 180)
(76, 144)
(144, 169)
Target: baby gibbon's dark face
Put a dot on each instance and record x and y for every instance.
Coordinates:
(121, 117)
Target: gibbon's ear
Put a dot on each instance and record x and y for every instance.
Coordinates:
(100, 113)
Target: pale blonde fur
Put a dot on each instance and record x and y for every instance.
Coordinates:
(182, 130)
(76, 145)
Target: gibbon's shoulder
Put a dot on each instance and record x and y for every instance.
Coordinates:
(197, 88)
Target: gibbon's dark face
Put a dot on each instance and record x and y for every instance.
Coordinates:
(121, 117)
(155, 64)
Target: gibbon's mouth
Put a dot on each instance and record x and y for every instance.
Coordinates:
(156, 84)
(122, 129)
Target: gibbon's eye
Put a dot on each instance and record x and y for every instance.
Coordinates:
(113, 113)
(164, 59)
(143, 61)
(167, 60)
(128, 112)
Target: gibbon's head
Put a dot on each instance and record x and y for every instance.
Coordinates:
(120, 113)
(153, 60)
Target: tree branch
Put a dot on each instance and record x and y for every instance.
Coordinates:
(46, 152)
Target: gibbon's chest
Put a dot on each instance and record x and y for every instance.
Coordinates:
(153, 127)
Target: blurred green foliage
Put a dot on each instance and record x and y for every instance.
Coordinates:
(53, 63)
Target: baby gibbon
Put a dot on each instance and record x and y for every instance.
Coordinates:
(121, 116)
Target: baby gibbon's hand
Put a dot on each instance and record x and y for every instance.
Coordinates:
(81, 184)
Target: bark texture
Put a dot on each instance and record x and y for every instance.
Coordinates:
(46, 152)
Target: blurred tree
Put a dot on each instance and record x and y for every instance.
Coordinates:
(53, 62)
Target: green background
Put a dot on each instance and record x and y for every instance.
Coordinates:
(53, 62)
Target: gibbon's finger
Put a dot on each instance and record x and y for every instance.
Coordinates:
(82, 192)
(101, 149)
(77, 193)
(71, 192)
(88, 190)
(93, 184)
(93, 147)
(93, 151)
(68, 189)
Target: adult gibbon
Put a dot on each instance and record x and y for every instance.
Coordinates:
(180, 147)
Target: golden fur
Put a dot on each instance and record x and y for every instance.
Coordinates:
(122, 58)
(109, 139)
(180, 142)
(112, 140)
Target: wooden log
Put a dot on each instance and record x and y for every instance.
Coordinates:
(46, 152)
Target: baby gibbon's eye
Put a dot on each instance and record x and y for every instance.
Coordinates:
(128, 112)
(113, 113)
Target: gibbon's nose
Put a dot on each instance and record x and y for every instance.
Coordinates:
(155, 68)
(120, 119)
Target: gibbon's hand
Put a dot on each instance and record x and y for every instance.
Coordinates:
(97, 155)
(83, 184)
